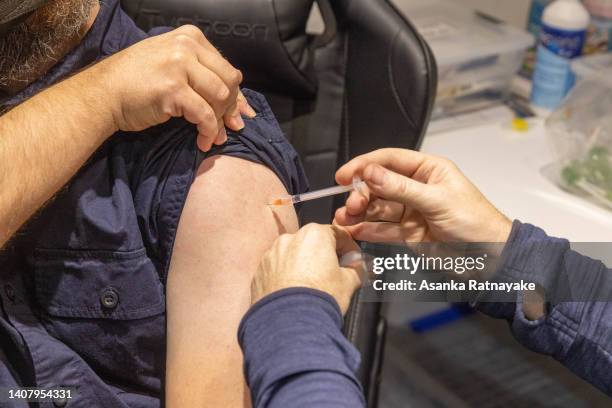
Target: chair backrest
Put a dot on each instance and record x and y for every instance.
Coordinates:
(367, 82)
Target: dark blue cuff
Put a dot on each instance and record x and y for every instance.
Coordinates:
(529, 255)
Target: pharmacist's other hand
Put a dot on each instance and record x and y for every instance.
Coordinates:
(309, 258)
(414, 197)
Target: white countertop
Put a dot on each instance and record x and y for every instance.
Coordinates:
(506, 166)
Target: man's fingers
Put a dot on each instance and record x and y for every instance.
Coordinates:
(232, 117)
(241, 107)
(219, 65)
(210, 87)
(392, 186)
(196, 34)
(204, 143)
(222, 135)
(196, 110)
(214, 78)
(209, 56)
(403, 161)
(231, 78)
(244, 107)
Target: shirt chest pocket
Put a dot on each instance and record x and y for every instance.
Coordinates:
(98, 285)
(107, 306)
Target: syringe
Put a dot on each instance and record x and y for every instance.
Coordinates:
(314, 195)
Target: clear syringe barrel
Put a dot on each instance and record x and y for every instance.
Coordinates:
(314, 195)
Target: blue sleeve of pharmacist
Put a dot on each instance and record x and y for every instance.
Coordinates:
(577, 327)
(295, 354)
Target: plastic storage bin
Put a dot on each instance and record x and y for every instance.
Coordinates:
(477, 55)
(589, 65)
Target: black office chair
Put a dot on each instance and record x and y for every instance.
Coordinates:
(367, 82)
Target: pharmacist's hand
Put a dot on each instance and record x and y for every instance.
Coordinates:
(177, 74)
(309, 258)
(414, 197)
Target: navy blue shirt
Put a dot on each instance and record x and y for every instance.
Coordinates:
(296, 356)
(82, 285)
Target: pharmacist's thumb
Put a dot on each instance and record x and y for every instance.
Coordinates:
(391, 186)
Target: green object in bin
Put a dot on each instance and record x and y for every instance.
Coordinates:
(571, 174)
(595, 169)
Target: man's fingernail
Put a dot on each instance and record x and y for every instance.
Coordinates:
(375, 174)
(250, 111)
(238, 122)
(202, 145)
(222, 135)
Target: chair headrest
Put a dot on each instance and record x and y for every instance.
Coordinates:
(266, 39)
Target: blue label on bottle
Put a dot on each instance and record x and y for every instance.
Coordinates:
(567, 44)
(553, 76)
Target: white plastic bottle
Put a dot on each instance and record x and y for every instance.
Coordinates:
(562, 37)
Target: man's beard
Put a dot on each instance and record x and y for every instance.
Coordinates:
(35, 45)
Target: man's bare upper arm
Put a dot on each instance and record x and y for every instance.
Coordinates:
(225, 228)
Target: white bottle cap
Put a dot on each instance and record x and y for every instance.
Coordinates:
(568, 15)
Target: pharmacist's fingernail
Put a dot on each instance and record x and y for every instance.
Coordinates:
(375, 174)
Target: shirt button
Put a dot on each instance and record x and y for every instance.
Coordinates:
(60, 402)
(109, 298)
(9, 291)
